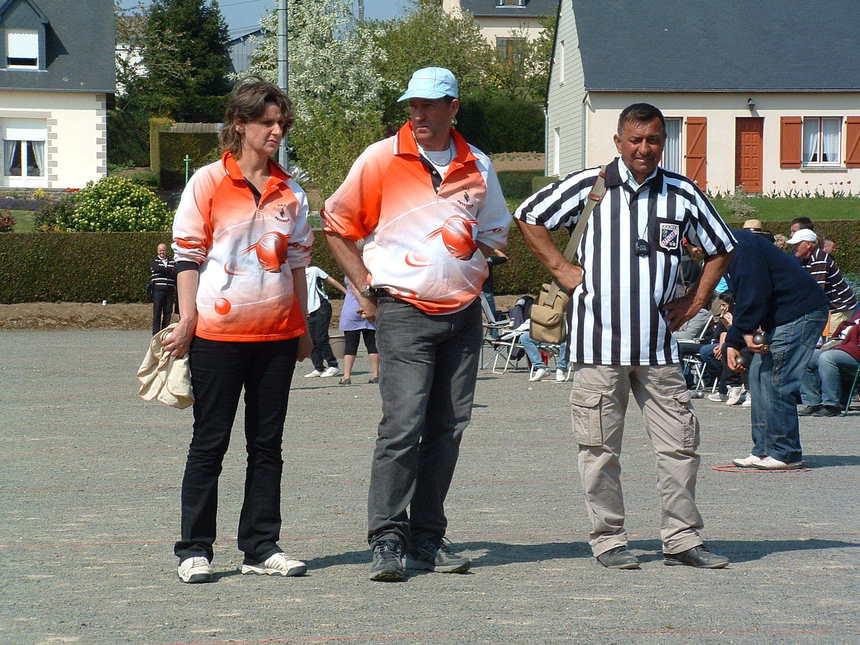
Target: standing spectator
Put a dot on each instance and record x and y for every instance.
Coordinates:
(801, 222)
(623, 314)
(775, 294)
(319, 319)
(242, 242)
(162, 285)
(353, 325)
(423, 274)
(822, 267)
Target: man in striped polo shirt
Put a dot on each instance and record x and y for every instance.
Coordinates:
(621, 319)
(823, 268)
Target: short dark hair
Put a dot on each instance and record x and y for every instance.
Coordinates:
(804, 222)
(640, 113)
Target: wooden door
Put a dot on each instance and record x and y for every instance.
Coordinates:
(748, 153)
(697, 150)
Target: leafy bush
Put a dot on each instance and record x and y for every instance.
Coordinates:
(7, 222)
(496, 122)
(117, 204)
(48, 219)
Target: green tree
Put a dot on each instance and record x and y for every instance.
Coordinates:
(525, 74)
(185, 56)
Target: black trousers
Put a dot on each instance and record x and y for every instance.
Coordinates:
(318, 323)
(163, 299)
(219, 372)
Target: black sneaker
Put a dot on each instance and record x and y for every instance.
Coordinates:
(698, 557)
(618, 558)
(387, 561)
(828, 411)
(807, 410)
(435, 555)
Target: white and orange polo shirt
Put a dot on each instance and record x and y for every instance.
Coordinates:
(245, 252)
(421, 244)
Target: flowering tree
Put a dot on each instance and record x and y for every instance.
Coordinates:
(331, 56)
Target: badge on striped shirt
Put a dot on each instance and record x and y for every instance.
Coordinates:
(670, 235)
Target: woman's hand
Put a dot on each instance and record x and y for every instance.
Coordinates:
(179, 340)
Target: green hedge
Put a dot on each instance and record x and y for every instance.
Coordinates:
(90, 267)
(201, 147)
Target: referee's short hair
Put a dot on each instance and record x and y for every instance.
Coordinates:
(640, 113)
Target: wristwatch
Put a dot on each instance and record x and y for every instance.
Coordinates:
(368, 292)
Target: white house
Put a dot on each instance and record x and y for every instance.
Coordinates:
(56, 73)
(505, 23)
(764, 95)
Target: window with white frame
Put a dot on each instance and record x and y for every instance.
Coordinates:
(23, 147)
(510, 3)
(511, 50)
(22, 48)
(822, 140)
(672, 148)
(561, 62)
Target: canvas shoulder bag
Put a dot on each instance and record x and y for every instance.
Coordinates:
(547, 314)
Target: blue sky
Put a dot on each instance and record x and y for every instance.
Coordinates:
(244, 15)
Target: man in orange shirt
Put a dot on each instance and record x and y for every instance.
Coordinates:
(430, 210)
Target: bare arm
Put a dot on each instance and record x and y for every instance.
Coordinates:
(337, 285)
(349, 258)
(681, 310)
(178, 342)
(300, 288)
(539, 241)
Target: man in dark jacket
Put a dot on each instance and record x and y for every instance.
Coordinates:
(162, 286)
(774, 294)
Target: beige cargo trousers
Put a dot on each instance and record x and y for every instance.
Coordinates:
(598, 403)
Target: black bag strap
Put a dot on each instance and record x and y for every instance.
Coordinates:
(598, 190)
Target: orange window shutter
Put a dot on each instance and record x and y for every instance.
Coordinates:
(790, 133)
(852, 142)
(697, 150)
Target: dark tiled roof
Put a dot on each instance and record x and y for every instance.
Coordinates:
(678, 45)
(79, 47)
(533, 8)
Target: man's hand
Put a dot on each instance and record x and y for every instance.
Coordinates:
(732, 355)
(754, 347)
(366, 307)
(305, 347)
(569, 276)
(680, 311)
(179, 340)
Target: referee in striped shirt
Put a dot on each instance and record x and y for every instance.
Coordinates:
(622, 315)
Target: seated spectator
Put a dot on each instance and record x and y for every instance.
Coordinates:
(535, 358)
(731, 386)
(821, 387)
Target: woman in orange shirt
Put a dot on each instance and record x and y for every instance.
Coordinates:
(241, 243)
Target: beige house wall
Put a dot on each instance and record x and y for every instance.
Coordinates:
(721, 110)
(76, 141)
(501, 27)
(565, 109)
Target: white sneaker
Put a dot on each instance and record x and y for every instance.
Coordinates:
(748, 462)
(769, 463)
(276, 565)
(539, 373)
(313, 374)
(329, 371)
(747, 401)
(735, 394)
(560, 376)
(716, 397)
(195, 569)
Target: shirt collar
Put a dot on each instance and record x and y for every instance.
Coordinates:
(231, 167)
(406, 145)
(628, 178)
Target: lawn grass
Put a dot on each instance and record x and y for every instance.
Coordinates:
(786, 209)
(23, 221)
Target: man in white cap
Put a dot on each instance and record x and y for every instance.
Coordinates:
(429, 207)
(823, 268)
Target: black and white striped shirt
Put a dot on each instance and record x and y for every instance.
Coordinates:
(616, 316)
(822, 267)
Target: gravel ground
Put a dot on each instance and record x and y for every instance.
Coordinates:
(89, 483)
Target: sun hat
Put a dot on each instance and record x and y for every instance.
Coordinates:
(803, 235)
(753, 224)
(431, 83)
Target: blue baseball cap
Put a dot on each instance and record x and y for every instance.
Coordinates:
(431, 83)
